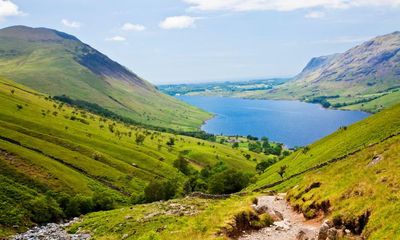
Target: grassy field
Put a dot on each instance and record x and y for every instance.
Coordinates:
(47, 146)
(189, 218)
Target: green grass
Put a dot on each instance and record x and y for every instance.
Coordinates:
(354, 187)
(52, 152)
(204, 219)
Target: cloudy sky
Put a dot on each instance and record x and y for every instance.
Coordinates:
(176, 41)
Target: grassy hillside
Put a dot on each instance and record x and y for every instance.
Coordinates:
(56, 63)
(190, 218)
(48, 148)
(363, 187)
(350, 177)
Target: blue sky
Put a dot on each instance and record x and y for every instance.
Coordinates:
(179, 41)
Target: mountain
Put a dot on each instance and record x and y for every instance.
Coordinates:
(57, 63)
(51, 152)
(365, 77)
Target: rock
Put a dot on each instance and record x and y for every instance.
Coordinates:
(51, 231)
(260, 209)
(332, 234)
(278, 215)
(347, 231)
(128, 217)
(323, 231)
(125, 236)
(301, 235)
(328, 222)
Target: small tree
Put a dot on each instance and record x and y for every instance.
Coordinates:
(19, 107)
(140, 139)
(235, 145)
(282, 170)
(171, 142)
(182, 165)
(261, 166)
(12, 91)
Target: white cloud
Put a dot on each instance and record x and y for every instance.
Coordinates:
(116, 39)
(8, 9)
(315, 14)
(283, 5)
(178, 22)
(133, 27)
(71, 24)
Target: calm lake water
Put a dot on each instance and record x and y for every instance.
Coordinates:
(293, 123)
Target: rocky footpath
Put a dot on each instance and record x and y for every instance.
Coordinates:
(290, 225)
(51, 231)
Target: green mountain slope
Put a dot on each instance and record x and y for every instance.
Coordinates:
(368, 72)
(350, 177)
(56, 63)
(48, 149)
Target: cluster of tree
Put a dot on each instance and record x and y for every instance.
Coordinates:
(261, 166)
(321, 100)
(53, 207)
(218, 179)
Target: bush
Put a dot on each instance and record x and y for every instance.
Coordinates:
(103, 201)
(45, 209)
(182, 165)
(228, 181)
(160, 190)
(261, 166)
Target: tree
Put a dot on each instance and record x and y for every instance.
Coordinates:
(140, 139)
(255, 147)
(261, 166)
(228, 181)
(265, 143)
(19, 107)
(282, 170)
(160, 190)
(12, 91)
(235, 145)
(171, 142)
(45, 209)
(103, 201)
(182, 165)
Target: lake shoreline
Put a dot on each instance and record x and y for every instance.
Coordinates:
(263, 118)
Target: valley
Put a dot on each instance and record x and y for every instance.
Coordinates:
(90, 150)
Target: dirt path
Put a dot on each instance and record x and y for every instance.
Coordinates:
(291, 227)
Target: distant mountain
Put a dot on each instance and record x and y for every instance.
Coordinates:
(57, 63)
(356, 77)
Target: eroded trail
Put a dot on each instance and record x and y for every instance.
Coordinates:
(293, 225)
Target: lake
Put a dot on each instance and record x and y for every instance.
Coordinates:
(293, 123)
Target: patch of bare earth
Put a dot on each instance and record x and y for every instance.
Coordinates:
(288, 224)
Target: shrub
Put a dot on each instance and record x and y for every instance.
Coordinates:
(228, 181)
(45, 209)
(160, 190)
(182, 165)
(103, 201)
(261, 166)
